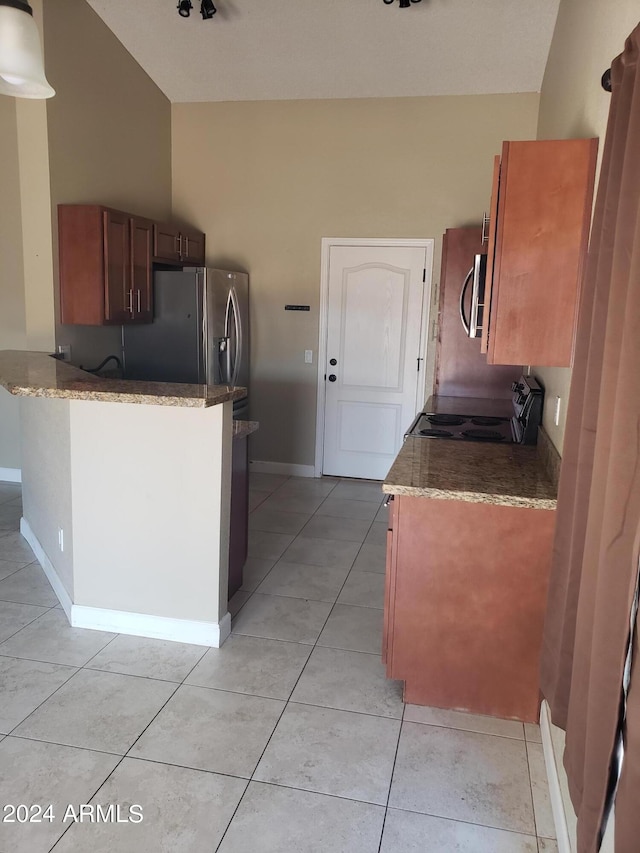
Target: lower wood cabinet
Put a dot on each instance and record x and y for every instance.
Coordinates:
(465, 597)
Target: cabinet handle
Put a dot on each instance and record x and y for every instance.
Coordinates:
(179, 242)
(130, 302)
(485, 228)
(186, 251)
(138, 298)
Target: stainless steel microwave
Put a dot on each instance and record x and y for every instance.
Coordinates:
(476, 276)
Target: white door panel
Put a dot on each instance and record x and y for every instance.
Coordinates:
(375, 302)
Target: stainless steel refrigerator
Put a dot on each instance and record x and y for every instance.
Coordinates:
(199, 334)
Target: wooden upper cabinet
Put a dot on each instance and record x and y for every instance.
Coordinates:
(175, 244)
(106, 263)
(541, 208)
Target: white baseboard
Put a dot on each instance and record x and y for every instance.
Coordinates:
(157, 627)
(287, 468)
(10, 475)
(555, 791)
(122, 622)
(47, 567)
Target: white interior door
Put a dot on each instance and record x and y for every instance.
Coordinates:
(375, 308)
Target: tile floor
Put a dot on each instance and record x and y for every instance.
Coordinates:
(289, 738)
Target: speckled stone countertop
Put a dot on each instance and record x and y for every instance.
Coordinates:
(37, 374)
(241, 429)
(501, 474)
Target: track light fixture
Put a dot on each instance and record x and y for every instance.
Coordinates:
(404, 4)
(207, 9)
(184, 8)
(21, 65)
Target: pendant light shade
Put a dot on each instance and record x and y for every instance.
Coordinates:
(21, 62)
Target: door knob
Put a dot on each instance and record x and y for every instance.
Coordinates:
(332, 377)
(333, 362)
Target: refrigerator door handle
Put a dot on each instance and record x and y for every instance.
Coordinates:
(237, 358)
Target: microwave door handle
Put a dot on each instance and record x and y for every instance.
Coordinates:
(475, 297)
(463, 294)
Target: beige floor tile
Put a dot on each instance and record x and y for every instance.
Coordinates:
(13, 619)
(363, 589)
(9, 567)
(545, 826)
(10, 514)
(321, 552)
(184, 811)
(294, 503)
(331, 752)
(51, 638)
(98, 710)
(238, 601)
(307, 487)
(547, 845)
(257, 498)
(341, 529)
(28, 586)
(268, 546)
(278, 618)
(371, 558)
(377, 534)
(254, 571)
(359, 490)
(24, 685)
(211, 730)
(344, 508)
(162, 659)
(266, 482)
(9, 492)
(349, 681)
(408, 832)
(42, 774)
(532, 733)
(291, 821)
(466, 722)
(357, 629)
(464, 776)
(268, 668)
(276, 521)
(14, 547)
(296, 580)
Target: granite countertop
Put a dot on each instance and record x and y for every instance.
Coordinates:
(502, 474)
(37, 374)
(241, 429)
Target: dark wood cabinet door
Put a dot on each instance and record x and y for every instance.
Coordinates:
(192, 246)
(166, 243)
(117, 274)
(141, 237)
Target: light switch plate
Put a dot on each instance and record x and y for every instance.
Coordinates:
(308, 356)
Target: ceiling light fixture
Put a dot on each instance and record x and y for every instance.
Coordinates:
(207, 9)
(404, 4)
(21, 62)
(184, 8)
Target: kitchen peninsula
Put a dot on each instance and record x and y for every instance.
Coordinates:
(468, 558)
(126, 497)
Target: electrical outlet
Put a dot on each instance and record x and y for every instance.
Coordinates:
(65, 351)
(308, 356)
(61, 539)
(556, 414)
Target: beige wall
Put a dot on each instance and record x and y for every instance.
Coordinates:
(588, 35)
(12, 307)
(109, 137)
(267, 180)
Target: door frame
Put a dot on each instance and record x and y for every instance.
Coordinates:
(360, 242)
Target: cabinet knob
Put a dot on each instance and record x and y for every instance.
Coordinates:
(332, 377)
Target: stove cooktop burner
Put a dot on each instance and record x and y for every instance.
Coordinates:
(436, 433)
(483, 434)
(446, 420)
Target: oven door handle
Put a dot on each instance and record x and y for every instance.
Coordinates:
(463, 294)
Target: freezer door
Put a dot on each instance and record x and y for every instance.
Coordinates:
(171, 348)
(227, 312)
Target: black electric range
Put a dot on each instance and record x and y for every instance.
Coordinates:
(476, 419)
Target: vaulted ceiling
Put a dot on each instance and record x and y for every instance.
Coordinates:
(290, 49)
